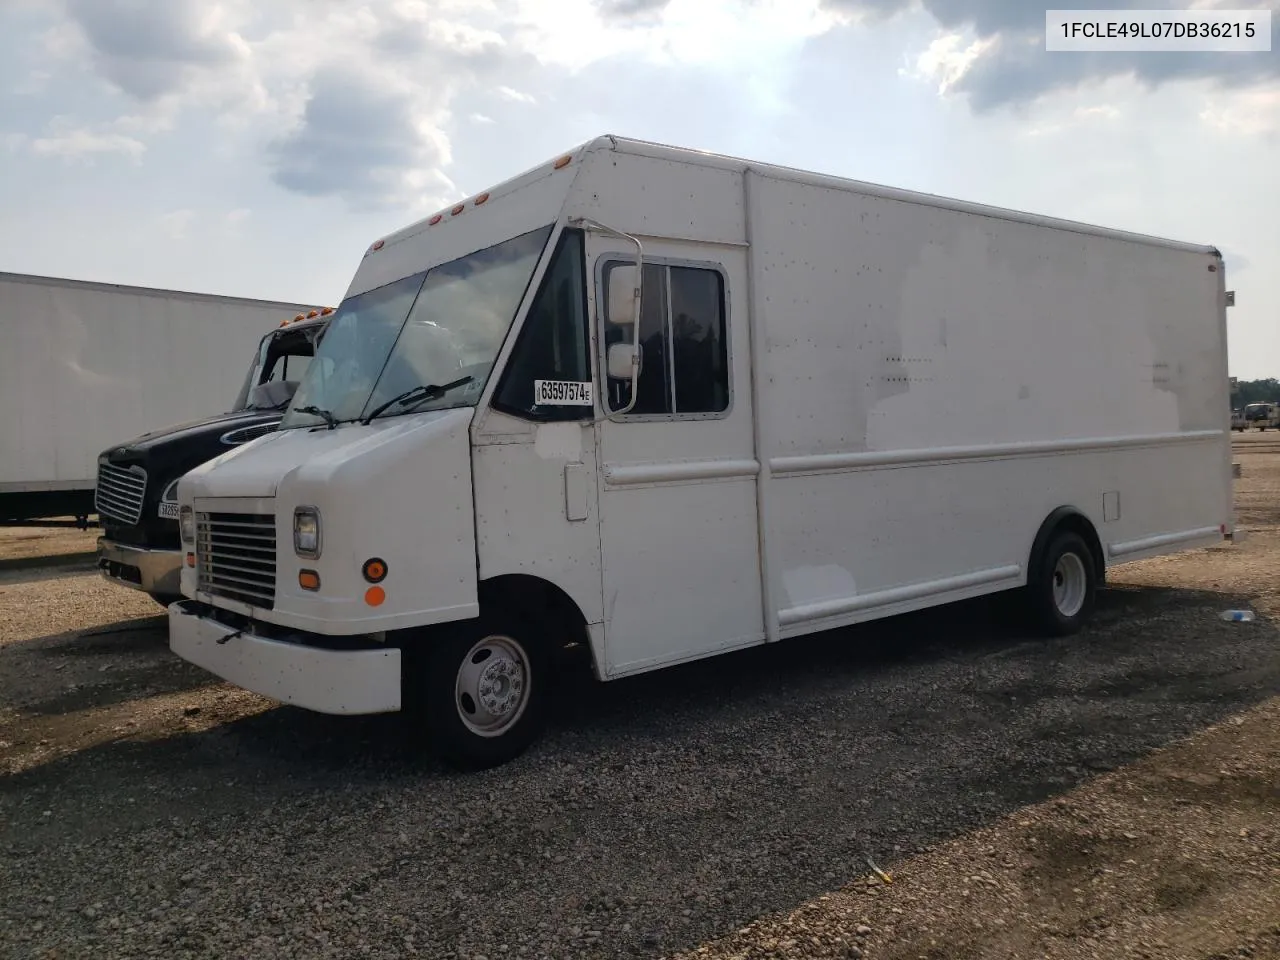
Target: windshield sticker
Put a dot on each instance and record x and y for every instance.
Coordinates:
(562, 393)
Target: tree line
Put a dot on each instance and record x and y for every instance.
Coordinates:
(1255, 391)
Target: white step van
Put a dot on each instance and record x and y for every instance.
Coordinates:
(668, 404)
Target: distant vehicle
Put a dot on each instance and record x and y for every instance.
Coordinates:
(137, 481)
(81, 361)
(664, 404)
(1238, 422)
(1262, 415)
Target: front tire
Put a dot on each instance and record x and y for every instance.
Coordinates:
(1063, 586)
(482, 693)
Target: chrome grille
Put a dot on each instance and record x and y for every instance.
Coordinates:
(119, 492)
(236, 556)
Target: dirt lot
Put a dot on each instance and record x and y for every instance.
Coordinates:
(1115, 794)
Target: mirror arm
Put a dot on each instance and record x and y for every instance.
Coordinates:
(610, 413)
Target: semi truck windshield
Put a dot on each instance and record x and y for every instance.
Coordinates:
(434, 327)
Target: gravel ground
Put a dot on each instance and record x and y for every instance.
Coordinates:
(147, 810)
(22, 545)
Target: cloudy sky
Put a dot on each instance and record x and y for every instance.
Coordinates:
(256, 148)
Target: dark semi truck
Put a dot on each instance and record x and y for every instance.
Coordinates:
(135, 495)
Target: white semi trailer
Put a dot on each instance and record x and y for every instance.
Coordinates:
(83, 364)
(817, 402)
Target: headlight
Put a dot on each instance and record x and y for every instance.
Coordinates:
(306, 532)
(170, 494)
(187, 525)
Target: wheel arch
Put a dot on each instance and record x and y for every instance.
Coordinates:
(540, 599)
(1070, 518)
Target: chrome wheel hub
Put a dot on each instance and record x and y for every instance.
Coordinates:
(1070, 584)
(492, 688)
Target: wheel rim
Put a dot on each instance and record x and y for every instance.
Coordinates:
(492, 686)
(1070, 584)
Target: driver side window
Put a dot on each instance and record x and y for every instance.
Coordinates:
(549, 372)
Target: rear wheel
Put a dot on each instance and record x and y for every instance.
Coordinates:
(1063, 586)
(481, 693)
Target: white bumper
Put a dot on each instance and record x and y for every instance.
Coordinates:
(327, 681)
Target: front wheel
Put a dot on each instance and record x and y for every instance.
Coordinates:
(1063, 587)
(482, 690)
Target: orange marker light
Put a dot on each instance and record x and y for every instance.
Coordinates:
(458, 209)
(374, 596)
(308, 580)
(436, 219)
(301, 316)
(374, 570)
(313, 314)
(481, 199)
(326, 311)
(563, 162)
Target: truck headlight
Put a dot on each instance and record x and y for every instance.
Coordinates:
(306, 532)
(170, 494)
(187, 525)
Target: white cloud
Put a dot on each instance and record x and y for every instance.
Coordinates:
(83, 143)
(515, 95)
(948, 58)
(356, 101)
(1247, 113)
(176, 223)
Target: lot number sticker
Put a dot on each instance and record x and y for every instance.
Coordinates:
(562, 393)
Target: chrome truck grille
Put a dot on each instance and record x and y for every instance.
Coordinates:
(236, 557)
(119, 492)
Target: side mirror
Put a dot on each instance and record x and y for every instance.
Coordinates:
(623, 359)
(624, 284)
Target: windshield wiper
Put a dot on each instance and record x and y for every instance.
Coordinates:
(323, 414)
(419, 394)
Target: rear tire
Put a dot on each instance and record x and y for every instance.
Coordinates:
(480, 693)
(1062, 589)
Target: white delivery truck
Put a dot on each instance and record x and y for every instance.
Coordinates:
(816, 402)
(84, 363)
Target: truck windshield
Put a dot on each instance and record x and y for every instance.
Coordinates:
(436, 327)
(282, 355)
(254, 375)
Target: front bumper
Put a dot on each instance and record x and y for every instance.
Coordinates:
(156, 572)
(291, 671)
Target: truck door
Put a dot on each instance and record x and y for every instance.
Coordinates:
(677, 472)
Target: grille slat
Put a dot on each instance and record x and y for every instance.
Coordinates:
(119, 492)
(236, 556)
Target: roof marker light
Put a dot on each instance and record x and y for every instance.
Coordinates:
(377, 244)
(563, 161)
(313, 314)
(436, 219)
(481, 199)
(457, 210)
(326, 311)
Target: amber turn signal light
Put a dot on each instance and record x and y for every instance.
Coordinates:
(374, 570)
(308, 580)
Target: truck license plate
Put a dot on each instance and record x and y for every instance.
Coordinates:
(169, 510)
